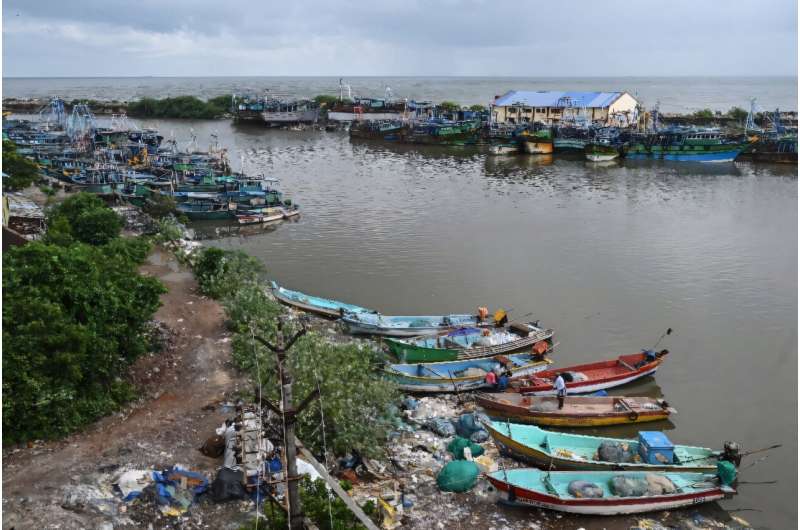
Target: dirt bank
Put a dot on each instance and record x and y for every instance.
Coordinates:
(180, 390)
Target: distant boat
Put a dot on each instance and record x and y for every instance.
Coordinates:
(460, 376)
(684, 145)
(538, 142)
(578, 411)
(471, 343)
(550, 490)
(504, 149)
(563, 451)
(267, 215)
(406, 326)
(591, 377)
(314, 304)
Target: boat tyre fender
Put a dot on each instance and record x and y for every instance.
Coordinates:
(633, 415)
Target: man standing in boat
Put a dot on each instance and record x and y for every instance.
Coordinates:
(561, 390)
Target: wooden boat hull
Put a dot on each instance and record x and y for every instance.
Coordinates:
(546, 459)
(538, 147)
(604, 375)
(432, 384)
(504, 410)
(408, 352)
(313, 304)
(526, 496)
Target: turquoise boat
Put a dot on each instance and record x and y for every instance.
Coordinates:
(461, 376)
(565, 451)
(314, 304)
(406, 326)
(472, 343)
(609, 492)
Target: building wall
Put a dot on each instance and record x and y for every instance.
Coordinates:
(551, 115)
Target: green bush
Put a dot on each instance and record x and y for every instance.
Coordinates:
(98, 226)
(74, 318)
(188, 107)
(220, 273)
(326, 100)
(82, 217)
(704, 113)
(737, 113)
(21, 171)
(355, 401)
(168, 230)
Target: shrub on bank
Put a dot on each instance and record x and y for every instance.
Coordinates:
(184, 107)
(21, 171)
(220, 273)
(73, 320)
(82, 217)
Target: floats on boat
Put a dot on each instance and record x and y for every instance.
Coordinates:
(472, 343)
(586, 378)
(578, 411)
(566, 451)
(460, 376)
(407, 326)
(561, 490)
(314, 304)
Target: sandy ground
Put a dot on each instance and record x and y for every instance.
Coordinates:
(181, 391)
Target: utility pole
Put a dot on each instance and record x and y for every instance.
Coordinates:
(289, 414)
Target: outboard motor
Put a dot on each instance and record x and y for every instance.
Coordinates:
(731, 452)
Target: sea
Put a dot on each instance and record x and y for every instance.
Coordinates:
(672, 94)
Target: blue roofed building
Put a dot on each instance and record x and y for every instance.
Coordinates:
(553, 107)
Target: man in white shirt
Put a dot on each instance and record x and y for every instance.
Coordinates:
(561, 390)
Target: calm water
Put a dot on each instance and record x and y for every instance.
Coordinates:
(608, 255)
(676, 94)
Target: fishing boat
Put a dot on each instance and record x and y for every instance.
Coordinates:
(586, 378)
(551, 490)
(472, 343)
(460, 376)
(438, 131)
(578, 411)
(407, 326)
(267, 215)
(685, 145)
(538, 141)
(604, 146)
(314, 304)
(504, 149)
(560, 450)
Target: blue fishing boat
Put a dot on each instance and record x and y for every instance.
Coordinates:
(315, 304)
(460, 376)
(611, 493)
(684, 145)
(406, 326)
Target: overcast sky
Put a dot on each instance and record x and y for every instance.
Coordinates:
(401, 37)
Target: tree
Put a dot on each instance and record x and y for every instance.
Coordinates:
(326, 100)
(21, 171)
(477, 108)
(737, 113)
(449, 106)
(74, 317)
(97, 226)
(82, 217)
(704, 114)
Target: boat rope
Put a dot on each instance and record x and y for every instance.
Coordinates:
(324, 442)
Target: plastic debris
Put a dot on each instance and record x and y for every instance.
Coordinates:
(131, 483)
(457, 446)
(441, 426)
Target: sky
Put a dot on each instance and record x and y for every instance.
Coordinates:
(43, 38)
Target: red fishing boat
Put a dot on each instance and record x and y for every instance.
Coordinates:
(586, 378)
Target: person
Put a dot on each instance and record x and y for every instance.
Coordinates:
(491, 379)
(561, 390)
(502, 382)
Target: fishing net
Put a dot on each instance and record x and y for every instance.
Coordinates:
(582, 488)
(456, 448)
(458, 476)
(650, 484)
(616, 452)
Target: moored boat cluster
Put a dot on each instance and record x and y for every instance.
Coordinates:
(136, 165)
(509, 363)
